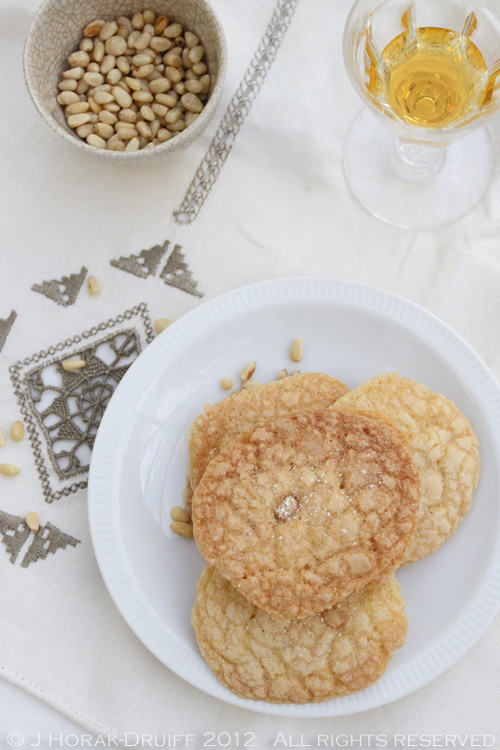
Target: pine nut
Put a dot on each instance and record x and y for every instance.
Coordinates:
(180, 88)
(296, 372)
(191, 39)
(98, 52)
(247, 372)
(73, 364)
(114, 77)
(103, 97)
(94, 28)
(32, 522)
(7, 470)
(296, 350)
(147, 113)
(161, 24)
(107, 117)
(175, 29)
(173, 116)
(177, 127)
(236, 391)
(250, 384)
(94, 286)
(134, 144)
(2, 439)
(121, 97)
(149, 16)
(154, 127)
(108, 63)
(192, 103)
(79, 58)
(179, 514)
(133, 84)
(182, 529)
(160, 44)
(167, 99)
(190, 118)
(96, 141)
(282, 374)
(74, 121)
(115, 45)
(128, 115)
(226, 383)
(143, 97)
(196, 53)
(116, 144)
(69, 84)
(144, 129)
(199, 68)
(138, 21)
(123, 65)
(159, 86)
(93, 79)
(162, 323)
(143, 71)
(74, 73)
(108, 30)
(17, 431)
(194, 87)
(164, 135)
(173, 74)
(77, 108)
(87, 45)
(205, 80)
(84, 130)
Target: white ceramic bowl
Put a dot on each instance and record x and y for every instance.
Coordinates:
(55, 33)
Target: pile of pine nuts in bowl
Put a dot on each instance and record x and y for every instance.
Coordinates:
(127, 84)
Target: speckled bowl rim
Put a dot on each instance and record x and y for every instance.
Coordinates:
(160, 150)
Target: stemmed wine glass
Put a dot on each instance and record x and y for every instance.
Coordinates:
(429, 71)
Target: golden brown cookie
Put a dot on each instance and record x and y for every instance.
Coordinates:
(330, 654)
(442, 444)
(210, 432)
(303, 510)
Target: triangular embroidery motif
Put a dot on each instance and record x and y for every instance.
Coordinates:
(65, 291)
(5, 326)
(144, 264)
(14, 532)
(177, 274)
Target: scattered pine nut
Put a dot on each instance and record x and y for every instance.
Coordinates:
(179, 514)
(94, 286)
(236, 390)
(17, 431)
(296, 350)
(73, 364)
(162, 323)
(282, 374)
(182, 529)
(251, 384)
(33, 522)
(2, 439)
(226, 383)
(247, 372)
(296, 372)
(8, 470)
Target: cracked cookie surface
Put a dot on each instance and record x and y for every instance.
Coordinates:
(443, 446)
(328, 655)
(301, 511)
(210, 432)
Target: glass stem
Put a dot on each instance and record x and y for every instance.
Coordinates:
(416, 161)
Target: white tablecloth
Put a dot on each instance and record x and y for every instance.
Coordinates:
(279, 207)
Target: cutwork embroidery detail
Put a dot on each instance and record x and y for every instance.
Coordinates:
(175, 273)
(145, 264)
(5, 326)
(74, 413)
(65, 291)
(236, 113)
(14, 533)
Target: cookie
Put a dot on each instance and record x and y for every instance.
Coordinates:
(210, 432)
(443, 447)
(330, 654)
(303, 510)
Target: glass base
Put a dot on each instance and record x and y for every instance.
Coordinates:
(371, 168)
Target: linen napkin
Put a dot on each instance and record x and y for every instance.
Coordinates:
(162, 240)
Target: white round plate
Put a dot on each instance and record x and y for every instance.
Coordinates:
(139, 465)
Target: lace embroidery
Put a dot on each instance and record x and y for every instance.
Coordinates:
(5, 326)
(236, 113)
(65, 291)
(62, 410)
(14, 533)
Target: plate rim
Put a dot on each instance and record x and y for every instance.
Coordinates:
(121, 584)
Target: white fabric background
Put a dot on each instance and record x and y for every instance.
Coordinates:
(280, 207)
